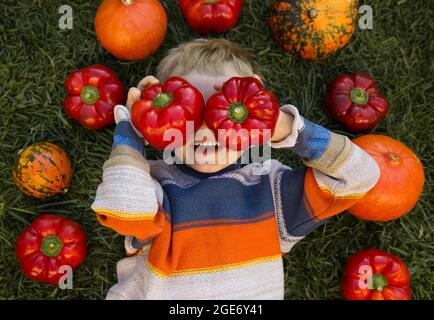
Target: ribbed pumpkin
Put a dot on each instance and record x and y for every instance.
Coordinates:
(314, 29)
(401, 181)
(131, 29)
(42, 170)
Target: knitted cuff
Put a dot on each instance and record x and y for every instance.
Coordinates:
(133, 246)
(125, 135)
(313, 140)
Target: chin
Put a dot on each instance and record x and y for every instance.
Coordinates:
(209, 162)
(208, 168)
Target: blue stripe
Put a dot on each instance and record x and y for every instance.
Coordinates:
(312, 141)
(214, 223)
(124, 134)
(219, 198)
(297, 219)
(166, 203)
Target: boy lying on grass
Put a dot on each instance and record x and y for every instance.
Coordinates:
(218, 231)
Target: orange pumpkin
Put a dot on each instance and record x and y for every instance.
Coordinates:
(131, 29)
(42, 170)
(401, 182)
(314, 29)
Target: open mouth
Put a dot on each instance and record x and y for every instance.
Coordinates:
(206, 146)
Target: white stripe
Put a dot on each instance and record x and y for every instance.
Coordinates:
(355, 176)
(258, 282)
(126, 189)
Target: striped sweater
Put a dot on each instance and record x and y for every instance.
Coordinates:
(222, 235)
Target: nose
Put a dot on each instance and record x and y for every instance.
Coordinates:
(204, 126)
(204, 133)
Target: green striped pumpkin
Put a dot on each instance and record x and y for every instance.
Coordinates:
(42, 170)
(313, 29)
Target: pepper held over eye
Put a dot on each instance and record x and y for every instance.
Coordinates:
(242, 114)
(166, 108)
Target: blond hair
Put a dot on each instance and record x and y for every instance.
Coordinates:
(207, 56)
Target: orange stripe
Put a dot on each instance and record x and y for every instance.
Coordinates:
(141, 229)
(309, 208)
(322, 203)
(213, 247)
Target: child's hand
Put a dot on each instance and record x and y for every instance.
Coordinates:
(147, 81)
(283, 126)
(124, 113)
(134, 93)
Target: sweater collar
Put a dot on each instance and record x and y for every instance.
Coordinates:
(201, 175)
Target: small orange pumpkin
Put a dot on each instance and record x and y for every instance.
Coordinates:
(401, 181)
(42, 170)
(314, 29)
(131, 29)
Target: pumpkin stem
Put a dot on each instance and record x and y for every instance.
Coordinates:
(238, 112)
(313, 13)
(394, 157)
(379, 282)
(127, 2)
(359, 96)
(51, 246)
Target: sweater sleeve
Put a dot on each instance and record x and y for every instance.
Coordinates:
(337, 174)
(129, 200)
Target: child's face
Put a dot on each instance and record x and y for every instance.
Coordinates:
(213, 159)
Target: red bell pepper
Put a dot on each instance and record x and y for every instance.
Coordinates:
(354, 101)
(243, 112)
(375, 275)
(167, 106)
(49, 243)
(206, 16)
(93, 93)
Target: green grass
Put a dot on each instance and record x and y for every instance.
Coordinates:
(36, 55)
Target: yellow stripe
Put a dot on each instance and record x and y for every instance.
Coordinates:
(347, 196)
(125, 215)
(213, 269)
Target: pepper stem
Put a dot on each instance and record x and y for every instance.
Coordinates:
(51, 246)
(211, 1)
(162, 100)
(238, 112)
(379, 282)
(89, 94)
(127, 2)
(359, 96)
